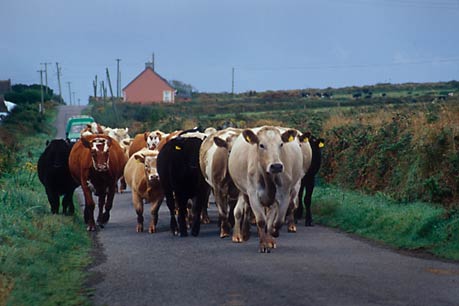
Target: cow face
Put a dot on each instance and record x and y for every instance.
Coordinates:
(100, 152)
(149, 161)
(269, 142)
(153, 139)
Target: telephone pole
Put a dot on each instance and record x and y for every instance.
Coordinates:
(232, 82)
(70, 94)
(41, 92)
(46, 76)
(109, 83)
(118, 78)
(59, 81)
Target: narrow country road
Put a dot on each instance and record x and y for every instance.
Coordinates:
(315, 266)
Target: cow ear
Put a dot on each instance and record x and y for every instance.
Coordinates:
(85, 142)
(109, 141)
(250, 137)
(220, 142)
(289, 135)
(140, 158)
(304, 137)
(145, 135)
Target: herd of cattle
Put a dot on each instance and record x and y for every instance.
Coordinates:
(255, 174)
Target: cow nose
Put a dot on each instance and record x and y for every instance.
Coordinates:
(276, 168)
(154, 177)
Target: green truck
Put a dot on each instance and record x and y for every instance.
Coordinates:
(74, 126)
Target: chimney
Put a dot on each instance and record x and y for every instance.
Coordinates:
(152, 63)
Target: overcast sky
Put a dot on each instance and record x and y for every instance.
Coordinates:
(272, 44)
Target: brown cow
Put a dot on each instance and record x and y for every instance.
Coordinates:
(97, 161)
(142, 176)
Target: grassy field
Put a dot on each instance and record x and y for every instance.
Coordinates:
(42, 256)
(415, 226)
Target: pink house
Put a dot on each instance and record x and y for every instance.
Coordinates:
(149, 87)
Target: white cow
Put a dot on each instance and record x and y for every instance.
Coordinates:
(266, 166)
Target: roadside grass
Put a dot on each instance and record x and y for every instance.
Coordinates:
(42, 256)
(410, 226)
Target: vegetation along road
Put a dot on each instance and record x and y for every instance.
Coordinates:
(315, 266)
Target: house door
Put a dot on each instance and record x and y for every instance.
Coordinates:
(167, 96)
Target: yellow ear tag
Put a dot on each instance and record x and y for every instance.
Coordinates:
(290, 138)
(247, 138)
(306, 139)
(321, 144)
(178, 148)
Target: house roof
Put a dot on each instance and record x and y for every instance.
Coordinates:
(148, 68)
(5, 86)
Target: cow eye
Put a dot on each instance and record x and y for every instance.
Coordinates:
(262, 146)
(281, 145)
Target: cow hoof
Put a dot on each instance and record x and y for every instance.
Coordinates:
(152, 230)
(275, 233)
(91, 228)
(184, 234)
(308, 223)
(292, 228)
(237, 239)
(224, 235)
(205, 220)
(139, 228)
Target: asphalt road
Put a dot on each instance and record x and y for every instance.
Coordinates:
(315, 266)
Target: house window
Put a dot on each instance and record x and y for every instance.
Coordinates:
(167, 96)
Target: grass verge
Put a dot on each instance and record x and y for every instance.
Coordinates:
(42, 256)
(413, 226)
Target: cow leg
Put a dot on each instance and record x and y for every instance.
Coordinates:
(202, 200)
(284, 204)
(238, 215)
(307, 200)
(102, 198)
(170, 201)
(182, 207)
(53, 199)
(67, 204)
(267, 241)
(220, 201)
(122, 184)
(299, 210)
(109, 203)
(138, 206)
(89, 205)
(155, 205)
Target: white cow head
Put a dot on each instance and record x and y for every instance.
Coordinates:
(269, 142)
(153, 139)
(100, 151)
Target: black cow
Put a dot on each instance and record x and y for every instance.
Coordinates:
(180, 175)
(307, 182)
(54, 174)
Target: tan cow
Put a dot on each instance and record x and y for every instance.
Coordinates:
(213, 160)
(97, 161)
(266, 170)
(142, 176)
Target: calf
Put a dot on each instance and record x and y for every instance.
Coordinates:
(99, 161)
(142, 176)
(308, 181)
(181, 180)
(54, 174)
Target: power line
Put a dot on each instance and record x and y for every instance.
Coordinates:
(350, 66)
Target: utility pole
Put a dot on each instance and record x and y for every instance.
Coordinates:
(118, 78)
(59, 81)
(109, 82)
(70, 94)
(41, 110)
(232, 82)
(46, 76)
